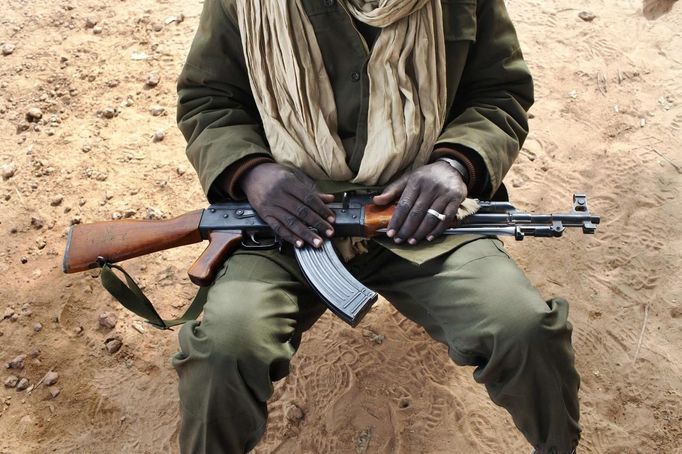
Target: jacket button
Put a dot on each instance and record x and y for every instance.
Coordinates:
(355, 76)
(329, 2)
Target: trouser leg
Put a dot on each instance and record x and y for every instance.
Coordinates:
(478, 302)
(252, 325)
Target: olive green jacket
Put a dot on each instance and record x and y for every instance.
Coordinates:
(489, 91)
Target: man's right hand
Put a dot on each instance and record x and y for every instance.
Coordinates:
(289, 202)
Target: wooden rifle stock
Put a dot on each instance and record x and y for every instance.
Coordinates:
(115, 241)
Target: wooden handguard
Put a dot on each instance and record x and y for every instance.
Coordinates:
(115, 241)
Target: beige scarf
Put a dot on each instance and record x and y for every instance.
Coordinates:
(295, 99)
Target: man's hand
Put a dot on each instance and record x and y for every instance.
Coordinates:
(435, 186)
(289, 202)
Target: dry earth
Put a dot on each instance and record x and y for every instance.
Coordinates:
(608, 121)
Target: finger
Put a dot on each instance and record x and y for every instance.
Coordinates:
(312, 219)
(312, 200)
(391, 192)
(450, 216)
(297, 228)
(430, 221)
(415, 216)
(326, 198)
(402, 209)
(282, 232)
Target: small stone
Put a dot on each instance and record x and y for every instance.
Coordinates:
(54, 391)
(14, 318)
(404, 403)
(11, 381)
(8, 171)
(9, 312)
(116, 216)
(153, 79)
(86, 148)
(23, 384)
(37, 327)
(57, 200)
(107, 320)
(41, 243)
(294, 413)
(159, 135)
(17, 363)
(97, 30)
(24, 260)
(34, 114)
(587, 16)
(8, 49)
(108, 112)
(90, 22)
(51, 378)
(82, 202)
(157, 111)
(113, 345)
(129, 213)
(181, 170)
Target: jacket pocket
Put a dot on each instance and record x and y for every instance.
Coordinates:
(459, 20)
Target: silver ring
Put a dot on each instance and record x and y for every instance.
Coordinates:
(435, 213)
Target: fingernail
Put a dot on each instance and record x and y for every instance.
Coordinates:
(430, 238)
(330, 233)
(331, 219)
(317, 242)
(390, 233)
(412, 241)
(398, 240)
(299, 243)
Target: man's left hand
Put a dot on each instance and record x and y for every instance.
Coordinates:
(436, 187)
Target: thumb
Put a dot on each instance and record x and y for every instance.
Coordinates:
(391, 192)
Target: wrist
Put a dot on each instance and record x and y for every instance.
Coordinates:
(457, 166)
(243, 181)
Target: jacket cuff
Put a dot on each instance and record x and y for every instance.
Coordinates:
(469, 159)
(226, 186)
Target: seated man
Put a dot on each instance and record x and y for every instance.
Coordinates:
(288, 102)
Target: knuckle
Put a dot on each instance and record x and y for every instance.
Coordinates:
(290, 221)
(404, 204)
(310, 198)
(417, 213)
(302, 212)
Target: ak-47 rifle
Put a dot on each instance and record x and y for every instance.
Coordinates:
(229, 226)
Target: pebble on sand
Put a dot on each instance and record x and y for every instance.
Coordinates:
(11, 381)
(113, 345)
(8, 170)
(17, 363)
(157, 111)
(8, 49)
(51, 378)
(109, 112)
(57, 200)
(159, 136)
(34, 114)
(153, 79)
(90, 22)
(587, 16)
(108, 319)
(23, 384)
(54, 391)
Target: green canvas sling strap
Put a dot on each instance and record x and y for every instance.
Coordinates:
(131, 297)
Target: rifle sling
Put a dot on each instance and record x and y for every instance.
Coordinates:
(131, 297)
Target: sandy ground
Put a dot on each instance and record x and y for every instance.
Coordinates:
(608, 122)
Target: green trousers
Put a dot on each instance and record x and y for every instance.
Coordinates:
(474, 299)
